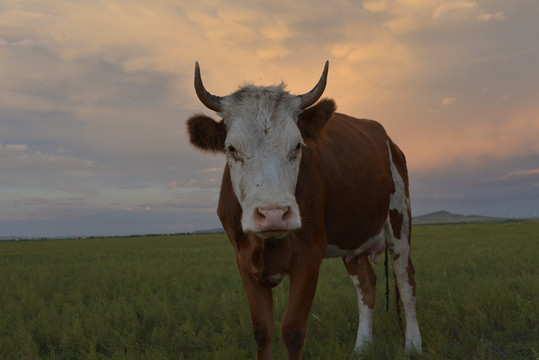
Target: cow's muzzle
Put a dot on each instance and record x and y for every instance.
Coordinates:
(273, 221)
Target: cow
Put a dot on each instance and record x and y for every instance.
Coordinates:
(303, 183)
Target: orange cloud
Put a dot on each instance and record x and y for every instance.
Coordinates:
(448, 101)
(437, 145)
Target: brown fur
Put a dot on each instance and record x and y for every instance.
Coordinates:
(206, 134)
(312, 121)
(396, 218)
(343, 192)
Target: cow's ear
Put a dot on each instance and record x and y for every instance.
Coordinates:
(311, 121)
(206, 134)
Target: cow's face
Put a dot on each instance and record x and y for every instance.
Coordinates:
(263, 149)
(260, 137)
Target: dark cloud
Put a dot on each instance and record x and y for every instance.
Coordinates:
(505, 188)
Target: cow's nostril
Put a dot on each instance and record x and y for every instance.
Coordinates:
(288, 214)
(259, 215)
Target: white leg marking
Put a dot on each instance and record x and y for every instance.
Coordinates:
(400, 247)
(400, 266)
(364, 330)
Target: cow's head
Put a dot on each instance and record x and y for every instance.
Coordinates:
(262, 134)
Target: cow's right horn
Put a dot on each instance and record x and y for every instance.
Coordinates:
(312, 96)
(209, 100)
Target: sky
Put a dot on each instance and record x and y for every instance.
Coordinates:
(94, 96)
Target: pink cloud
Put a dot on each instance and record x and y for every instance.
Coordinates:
(519, 173)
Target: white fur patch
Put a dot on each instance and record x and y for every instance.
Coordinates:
(376, 241)
(276, 278)
(364, 330)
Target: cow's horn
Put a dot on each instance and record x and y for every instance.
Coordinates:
(209, 100)
(312, 96)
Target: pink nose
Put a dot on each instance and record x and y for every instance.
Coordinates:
(272, 218)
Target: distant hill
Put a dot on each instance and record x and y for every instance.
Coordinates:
(445, 217)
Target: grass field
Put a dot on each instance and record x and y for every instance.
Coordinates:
(180, 297)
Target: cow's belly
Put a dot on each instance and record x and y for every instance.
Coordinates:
(372, 247)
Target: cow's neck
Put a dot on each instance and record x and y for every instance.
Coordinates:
(269, 259)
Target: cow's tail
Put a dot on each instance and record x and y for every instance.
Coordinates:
(398, 304)
(387, 281)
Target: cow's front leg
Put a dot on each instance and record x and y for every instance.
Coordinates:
(261, 304)
(303, 281)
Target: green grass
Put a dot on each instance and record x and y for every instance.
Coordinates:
(180, 297)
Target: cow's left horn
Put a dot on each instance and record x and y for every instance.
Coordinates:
(209, 100)
(312, 96)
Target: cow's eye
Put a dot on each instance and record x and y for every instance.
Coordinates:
(232, 152)
(295, 153)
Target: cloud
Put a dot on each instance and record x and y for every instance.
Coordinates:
(517, 177)
(448, 101)
(278, 32)
(202, 184)
(449, 141)
(210, 170)
(19, 155)
(455, 9)
(484, 17)
(464, 10)
(272, 52)
(212, 182)
(375, 6)
(172, 185)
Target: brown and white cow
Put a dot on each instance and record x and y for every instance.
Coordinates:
(303, 183)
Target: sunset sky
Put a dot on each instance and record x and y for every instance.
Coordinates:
(94, 96)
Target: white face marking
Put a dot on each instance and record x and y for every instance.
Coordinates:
(263, 147)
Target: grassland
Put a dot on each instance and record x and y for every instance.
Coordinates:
(180, 297)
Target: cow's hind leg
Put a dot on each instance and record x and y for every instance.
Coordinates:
(397, 232)
(364, 280)
(397, 236)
